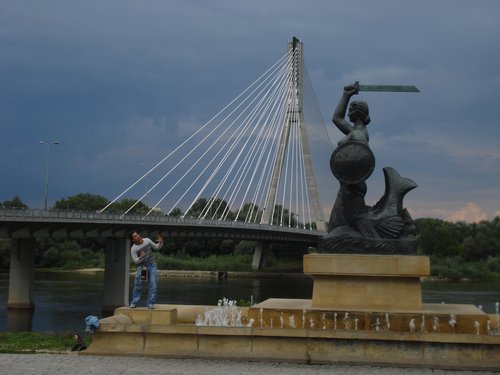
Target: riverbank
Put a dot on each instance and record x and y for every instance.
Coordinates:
(203, 274)
(224, 274)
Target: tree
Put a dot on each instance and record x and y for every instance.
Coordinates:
(176, 212)
(250, 213)
(197, 208)
(483, 241)
(123, 205)
(473, 242)
(245, 247)
(16, 202)
(217, 209)
(283, 216)
(439, 238)
(82, 202)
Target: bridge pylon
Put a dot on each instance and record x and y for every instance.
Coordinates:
(294, 119)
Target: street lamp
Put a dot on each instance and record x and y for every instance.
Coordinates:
(47, 169)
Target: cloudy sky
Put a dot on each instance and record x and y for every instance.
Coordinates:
(119, 82)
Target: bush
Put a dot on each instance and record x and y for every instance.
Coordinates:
(493, 264)
(476, 271)
(70, 255)
(241, 262)
(447, 268)
(235, 263)
(456, 268)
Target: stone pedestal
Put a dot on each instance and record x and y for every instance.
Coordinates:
(366, 282)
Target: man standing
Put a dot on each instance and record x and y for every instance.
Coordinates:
(142, 255)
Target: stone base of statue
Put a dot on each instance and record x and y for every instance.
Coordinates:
(368, 282)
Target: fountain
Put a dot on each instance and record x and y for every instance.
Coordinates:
(226, 314)
(435, 324)
(412, 325)
(371, 276)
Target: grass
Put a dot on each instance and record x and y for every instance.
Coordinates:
(236, 263)
(33, 342)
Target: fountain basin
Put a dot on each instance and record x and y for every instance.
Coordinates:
(127, 333)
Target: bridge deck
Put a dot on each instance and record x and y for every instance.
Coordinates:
(86, 224)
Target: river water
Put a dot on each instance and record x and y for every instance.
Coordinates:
(64, 299)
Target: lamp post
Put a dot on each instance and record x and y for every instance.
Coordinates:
(47, 169)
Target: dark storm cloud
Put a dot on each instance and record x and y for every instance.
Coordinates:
(119, 83)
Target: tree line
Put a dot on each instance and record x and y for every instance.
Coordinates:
(457, 250)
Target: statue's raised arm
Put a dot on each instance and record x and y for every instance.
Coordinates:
(340, 112)
(358, 114)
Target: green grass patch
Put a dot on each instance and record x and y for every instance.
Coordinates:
(31, 342)
(235, 263)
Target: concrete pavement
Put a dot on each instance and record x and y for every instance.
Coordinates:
(72, 363)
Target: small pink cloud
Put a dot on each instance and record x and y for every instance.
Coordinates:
(471, 213)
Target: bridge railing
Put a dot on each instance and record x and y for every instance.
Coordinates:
(54, 215)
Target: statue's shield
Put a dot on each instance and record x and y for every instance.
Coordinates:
(352, 162)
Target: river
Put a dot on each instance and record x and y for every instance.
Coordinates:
(64, 299)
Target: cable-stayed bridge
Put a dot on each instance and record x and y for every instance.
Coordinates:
(259, 166)
(70, 224)
(263, 158)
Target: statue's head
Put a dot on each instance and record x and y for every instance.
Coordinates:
(359, 109)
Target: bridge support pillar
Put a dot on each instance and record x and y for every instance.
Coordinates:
(259, 256)
(116, 274)
(22, 274)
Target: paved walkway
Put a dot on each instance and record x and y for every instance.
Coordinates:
(49, 364)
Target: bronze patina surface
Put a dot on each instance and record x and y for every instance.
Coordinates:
(354, 227)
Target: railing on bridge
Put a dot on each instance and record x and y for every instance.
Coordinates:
(18, 214)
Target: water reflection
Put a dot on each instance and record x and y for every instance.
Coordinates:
(19, 320)
(483, 294)
(64, 299)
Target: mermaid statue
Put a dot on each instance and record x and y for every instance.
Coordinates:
(354, 227)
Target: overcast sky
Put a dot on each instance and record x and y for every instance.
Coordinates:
(120, 82)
